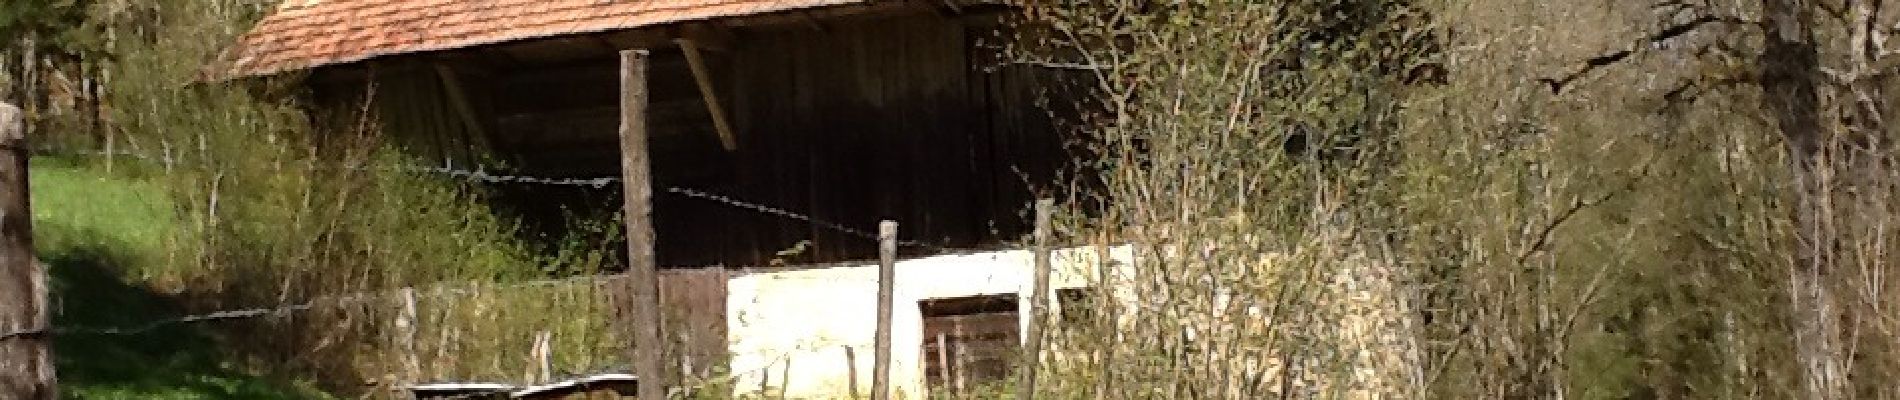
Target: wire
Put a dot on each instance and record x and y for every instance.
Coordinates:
(469, 175)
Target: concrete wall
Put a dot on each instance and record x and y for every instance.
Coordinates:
(799, 322)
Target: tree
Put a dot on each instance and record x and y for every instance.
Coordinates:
(1822, 72)
(26, 363)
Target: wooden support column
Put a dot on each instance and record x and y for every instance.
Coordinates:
(637, 185)
(1038, 301)
(464, 110)
(886, 273)
(26, 360)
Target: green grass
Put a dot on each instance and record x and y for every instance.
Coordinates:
(103, 237)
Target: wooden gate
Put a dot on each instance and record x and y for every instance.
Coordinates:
(969, 341)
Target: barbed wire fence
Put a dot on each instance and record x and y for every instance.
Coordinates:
(484, 176)
(441, 290)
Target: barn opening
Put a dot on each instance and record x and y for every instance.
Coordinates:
(969, 342)
(855, 115)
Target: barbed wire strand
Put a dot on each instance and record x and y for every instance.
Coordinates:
(484, 176)
(329, 301)
(437, 290)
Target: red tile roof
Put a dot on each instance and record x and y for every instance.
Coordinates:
(311, 33)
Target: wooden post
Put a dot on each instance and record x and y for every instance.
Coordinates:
(785, 378)
(636, 184)
(851, 369)
(406, 331)
(886, 272)
(543, 352)
(1038, 302)
(26, 361)
(765, 381)
(1105, 305)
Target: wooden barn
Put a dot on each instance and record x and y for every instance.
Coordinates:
(848, 111)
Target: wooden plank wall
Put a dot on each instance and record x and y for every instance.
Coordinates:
(887, 119)
(867, 121)
(693, 302)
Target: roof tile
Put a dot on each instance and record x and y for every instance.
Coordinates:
(311, 33)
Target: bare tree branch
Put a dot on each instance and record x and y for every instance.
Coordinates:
(1558, 84)
(1577, 205)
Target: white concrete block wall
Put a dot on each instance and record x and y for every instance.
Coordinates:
(803, 319)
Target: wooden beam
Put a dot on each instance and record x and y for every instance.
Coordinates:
(949, 9)
(812, 21)
(26, 358)
(458, 98)
(703, 76)
(709, 36)
(886, 274)
(636, 185)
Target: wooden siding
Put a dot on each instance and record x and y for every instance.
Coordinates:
(694, 306)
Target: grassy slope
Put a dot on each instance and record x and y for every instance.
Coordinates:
(98, 234)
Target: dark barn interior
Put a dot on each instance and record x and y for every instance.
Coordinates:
(850, 115)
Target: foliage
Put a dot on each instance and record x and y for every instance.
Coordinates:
(99, 234)
(266, 204)
(1594, 201)
(1245, 150)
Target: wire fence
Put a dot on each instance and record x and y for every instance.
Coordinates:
(474, 176)
(460, 318)
(330, 301)
(487, 177)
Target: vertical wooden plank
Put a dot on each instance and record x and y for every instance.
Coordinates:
(475, 137)
(886, 272)
(637, 187)
(1038, 301)
(943, 362)
(694, 310)
(26, 367)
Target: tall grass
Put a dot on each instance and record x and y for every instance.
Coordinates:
(1246, 150)
(268, 203)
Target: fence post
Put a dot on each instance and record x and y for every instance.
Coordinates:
(851, 368)
(1106, 303)
(406, 331)
(1038, 301)
(637, 187)
(886, 272)
(26, 367)
(544, 356)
